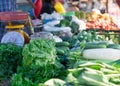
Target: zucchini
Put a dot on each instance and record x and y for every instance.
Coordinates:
(60, 51)
(59, 44)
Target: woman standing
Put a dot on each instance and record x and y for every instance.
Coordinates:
(37, 7)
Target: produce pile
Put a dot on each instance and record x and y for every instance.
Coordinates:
(45, 62)
(83, 59)
(48, 63)
(100, 21)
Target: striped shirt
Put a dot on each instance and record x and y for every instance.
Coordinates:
(7, 5)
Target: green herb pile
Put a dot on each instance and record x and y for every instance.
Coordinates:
(39, 64)
(10, 59)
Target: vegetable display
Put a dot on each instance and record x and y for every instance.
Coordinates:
(100, 21)
(83, 58)
(68, 63)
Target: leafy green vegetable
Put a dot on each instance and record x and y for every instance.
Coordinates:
(115, 63)
(10, 59)
(40, 61)
(75, 27)
(80, 14)
(64, 23)
(19, 80)
(94, 74)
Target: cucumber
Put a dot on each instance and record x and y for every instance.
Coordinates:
(91, 43)
(60, 51)
(104, 42)
(114, 46)
(59, 44)
(98, 43)
(65, 49)
(92, 46)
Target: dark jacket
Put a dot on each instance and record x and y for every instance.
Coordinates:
(47, 7)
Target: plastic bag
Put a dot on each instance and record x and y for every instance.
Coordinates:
(54, 16)
(46, 35)
(57, 39)
(59, 31)
(81, 23)
(52, 23)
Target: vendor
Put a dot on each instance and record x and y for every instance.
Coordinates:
(72, 6)
(49, 6)
(37, 7)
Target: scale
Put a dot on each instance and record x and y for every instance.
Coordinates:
(15, 24)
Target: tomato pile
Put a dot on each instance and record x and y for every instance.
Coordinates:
(100, 21)
(101, 25)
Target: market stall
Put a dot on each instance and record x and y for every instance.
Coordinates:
(71, 49)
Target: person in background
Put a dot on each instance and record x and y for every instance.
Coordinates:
(90, 6)
(62, 1)
(114, 11)
(6, 6)
(58, 6)
(118, 2)
(49, 6)
(72, 6)
(36, 8)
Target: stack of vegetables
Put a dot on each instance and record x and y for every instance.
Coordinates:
(39, 64)
(62, 48)
(89, 74)
(93, 46)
